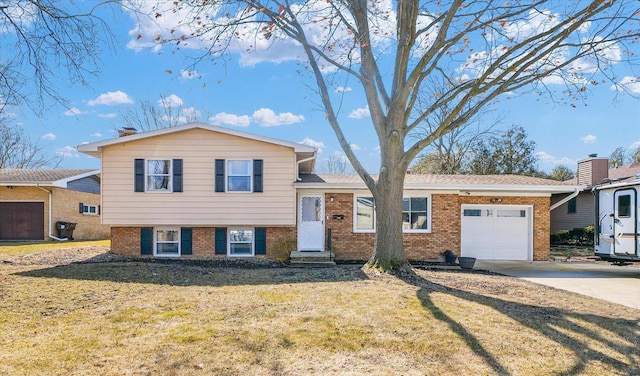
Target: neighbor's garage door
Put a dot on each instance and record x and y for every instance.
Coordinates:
(21, 220)
(496, 232)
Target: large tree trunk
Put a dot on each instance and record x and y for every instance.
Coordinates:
(388, 251)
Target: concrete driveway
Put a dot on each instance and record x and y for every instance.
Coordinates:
(617, 284)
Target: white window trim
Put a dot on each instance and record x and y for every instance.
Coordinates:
(146, 176)
(253, 241)
(155, 241)
(227, 175)
(404, 231)
(88, 209)
(429, 214)
(355, 215)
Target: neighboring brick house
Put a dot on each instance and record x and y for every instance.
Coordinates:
(33, 200)
(577, 210)
(198, 190)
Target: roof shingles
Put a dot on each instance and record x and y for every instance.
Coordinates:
(37, 176)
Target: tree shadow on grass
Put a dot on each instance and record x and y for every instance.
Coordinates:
(556, 324)
(202, 273)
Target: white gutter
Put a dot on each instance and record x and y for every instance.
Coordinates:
(298, 166)
(50, 234)
(566, 199)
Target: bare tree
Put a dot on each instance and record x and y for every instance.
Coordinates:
(618, 157)
(19, 151)
(337, 164)
(394, 50)
(635, 157)
(42, 39)
(168, 111)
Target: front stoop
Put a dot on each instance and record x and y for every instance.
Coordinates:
(312, 259)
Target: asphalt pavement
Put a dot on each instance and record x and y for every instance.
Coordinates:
(601, 280)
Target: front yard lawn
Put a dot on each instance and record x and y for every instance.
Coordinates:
(171, 318)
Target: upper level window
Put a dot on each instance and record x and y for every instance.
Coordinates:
(239, 176)
(158, 175)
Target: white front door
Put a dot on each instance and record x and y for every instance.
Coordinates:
(311, 222)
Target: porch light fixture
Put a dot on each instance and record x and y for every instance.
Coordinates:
(331, 198)
(496, 199)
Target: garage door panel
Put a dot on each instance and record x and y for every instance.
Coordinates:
(21, 220)
(496, 232)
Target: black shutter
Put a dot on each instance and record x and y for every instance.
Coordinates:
(139, 175)
(80, 208)
(219, 175)
(261, 241)
(177, 175)
(185, 241)
(257, 175)
(221, 241)
(146, 241)
(98, 209)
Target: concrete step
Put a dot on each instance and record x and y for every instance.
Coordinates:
(313, 264)
(324, 256)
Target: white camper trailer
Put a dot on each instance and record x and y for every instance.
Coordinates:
(617, 233)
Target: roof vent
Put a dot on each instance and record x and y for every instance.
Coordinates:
(593, 155)
(126, 131)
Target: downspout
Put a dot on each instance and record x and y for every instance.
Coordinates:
(298, 166)
(50, 197)
(566, 199)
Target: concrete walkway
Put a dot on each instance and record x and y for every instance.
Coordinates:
(617, 284)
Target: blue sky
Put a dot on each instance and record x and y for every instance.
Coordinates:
(272, 99)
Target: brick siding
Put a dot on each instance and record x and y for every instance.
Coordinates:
(347, 245)
(280, 242)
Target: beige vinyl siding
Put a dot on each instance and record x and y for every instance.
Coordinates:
(198, 204)
(584, 215)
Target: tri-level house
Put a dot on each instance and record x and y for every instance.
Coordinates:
(198, 190)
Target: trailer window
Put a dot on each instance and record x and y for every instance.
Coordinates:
(624, 206)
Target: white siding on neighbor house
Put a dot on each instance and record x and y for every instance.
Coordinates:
(198, 204)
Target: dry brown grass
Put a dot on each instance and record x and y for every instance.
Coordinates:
(12, 249)
(141, 318)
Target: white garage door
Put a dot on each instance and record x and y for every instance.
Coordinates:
(497, 232)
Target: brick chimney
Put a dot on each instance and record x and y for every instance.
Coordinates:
(126, 131)
(592, 170)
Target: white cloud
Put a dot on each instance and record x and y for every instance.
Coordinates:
(73, 112)
(171, 101)
(167, 24)
(316, 144)
(342, 89)
(588, 139)
(267, 118)
(550, 159)
(48, 136)
(111, 98)
(355, 147)
(230, 119)
(189, 74)
(628, 83)
(67, 152)
(97, 134)
(360, 113)
(107, 116)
